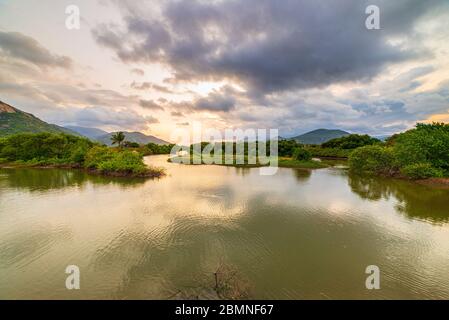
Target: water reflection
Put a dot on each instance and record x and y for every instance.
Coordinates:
(302, 175)
(414, 200)
(50, 179)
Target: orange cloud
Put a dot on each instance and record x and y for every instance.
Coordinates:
(442, 117)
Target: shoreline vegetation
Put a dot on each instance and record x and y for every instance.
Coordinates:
(417, 154)
(283, 162)
(290, 155)
(50, 150)
(420, 154)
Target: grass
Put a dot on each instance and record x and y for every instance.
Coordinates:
(302, 164)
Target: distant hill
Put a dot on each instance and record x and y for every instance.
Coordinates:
(91, 133)
(382, 138)
(132, 137)
(13, 120)
(320, 136)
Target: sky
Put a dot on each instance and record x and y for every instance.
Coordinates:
(291, 65)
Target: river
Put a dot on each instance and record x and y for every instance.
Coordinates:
(296, 235)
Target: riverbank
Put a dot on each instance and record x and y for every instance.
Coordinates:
(148, 172)
(442, 183)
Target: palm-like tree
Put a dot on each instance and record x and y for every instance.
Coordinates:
(118, 138)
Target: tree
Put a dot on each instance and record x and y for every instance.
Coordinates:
(118, 138)
(301, 154)
(352, 141)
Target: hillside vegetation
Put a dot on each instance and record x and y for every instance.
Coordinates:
(13, 121)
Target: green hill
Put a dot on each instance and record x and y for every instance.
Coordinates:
(320, 136)
(13, 120)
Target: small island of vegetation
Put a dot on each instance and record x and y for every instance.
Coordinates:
(59, 150)
(291, 154)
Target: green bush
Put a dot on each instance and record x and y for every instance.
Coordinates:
(153, 148)
(421, 171)
(301, 154)
(373, 159)
(109, 160)
(97, 155)
(427, 143)
(418, 153)
(124, 162)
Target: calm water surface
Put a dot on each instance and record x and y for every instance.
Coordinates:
(298, 234)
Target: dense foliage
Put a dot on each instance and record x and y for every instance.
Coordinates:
(352, 141)
(112, 161)
(45, 147)
(285, 147)
(418, 153)
(67, 150)
(153, 148)
(375, 159)
(302, 154)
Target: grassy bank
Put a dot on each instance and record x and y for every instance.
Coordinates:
(47, 150)
(301, 164)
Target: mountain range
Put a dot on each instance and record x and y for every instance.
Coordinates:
(13, 120)
(320, 136)
(132, 137)
(105, 137)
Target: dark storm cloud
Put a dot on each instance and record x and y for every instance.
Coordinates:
(19, 46)
(215, 102)
(268, 45)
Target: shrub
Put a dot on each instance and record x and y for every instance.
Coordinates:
(301, 154)
(286, 147)
(373, 159)
(421, 171)
(97, 155)
(427, 143)
(112, 161)
(123, 162)
(318, 151)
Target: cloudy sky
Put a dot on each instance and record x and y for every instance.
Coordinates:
(294, 65)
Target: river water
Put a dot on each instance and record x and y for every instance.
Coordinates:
(296, 235)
